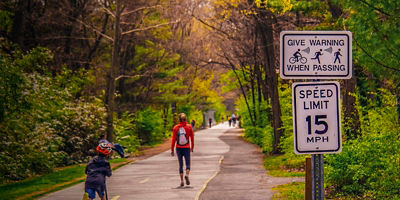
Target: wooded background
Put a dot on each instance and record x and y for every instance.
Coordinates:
(74, 70)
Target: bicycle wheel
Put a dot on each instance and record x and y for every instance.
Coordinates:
(303, 60)
(292, 60)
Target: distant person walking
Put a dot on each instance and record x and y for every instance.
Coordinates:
(234, 120)
(183, 138)
(222, 119)
(230, 121)
(193, 124)
(210, 121)
(97, 169)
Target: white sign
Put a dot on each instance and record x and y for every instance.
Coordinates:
(316, 55)
(316, 117)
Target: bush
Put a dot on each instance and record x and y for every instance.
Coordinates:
(149, 126)
(369, 165)
(22, 151)
(79, 127)
(125, 133)
(42, 125)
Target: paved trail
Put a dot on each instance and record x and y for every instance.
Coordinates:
(157, 177)
(242, 174)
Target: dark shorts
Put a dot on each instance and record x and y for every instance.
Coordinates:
(92, 192)
(183, 152)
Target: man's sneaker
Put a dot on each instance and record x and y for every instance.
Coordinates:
(187, 180)
(182, 184)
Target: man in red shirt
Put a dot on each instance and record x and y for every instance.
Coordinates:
(181, 134)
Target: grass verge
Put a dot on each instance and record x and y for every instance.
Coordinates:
(291, 191)
(282, 166)
(34, 187)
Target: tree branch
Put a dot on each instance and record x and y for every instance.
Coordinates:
(377, 61)
(127, 76)
(148, 28)
(92, 28)
(108, 10)
(139, 9)
(375, 8)
(212, 27)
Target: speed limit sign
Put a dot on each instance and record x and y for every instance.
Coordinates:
(316, 117)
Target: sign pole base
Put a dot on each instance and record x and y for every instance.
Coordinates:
(318, 176)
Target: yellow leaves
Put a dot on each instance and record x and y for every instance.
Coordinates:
(203, 88)
(286, 5)
(275, 6)
(248, 12)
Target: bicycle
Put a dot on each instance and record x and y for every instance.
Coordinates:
(302, 59)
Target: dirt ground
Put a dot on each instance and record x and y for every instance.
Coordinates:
(151, 151)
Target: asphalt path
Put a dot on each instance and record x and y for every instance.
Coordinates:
(158, 177)
(242, 175)
(223, 167)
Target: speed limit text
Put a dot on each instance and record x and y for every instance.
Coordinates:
(318, 98)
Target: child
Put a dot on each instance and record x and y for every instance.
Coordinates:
(97, 170)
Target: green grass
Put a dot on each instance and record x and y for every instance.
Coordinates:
(282, 166)
(35, 184)
(291, 191)
(38, 186)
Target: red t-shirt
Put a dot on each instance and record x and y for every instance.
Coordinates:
(189, 134)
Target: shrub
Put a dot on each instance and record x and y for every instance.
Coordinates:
(369, 166)
(149, 126)
(42, 125)
(125, 133)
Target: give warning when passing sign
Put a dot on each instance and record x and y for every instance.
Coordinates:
(316, 55)
(316, 117)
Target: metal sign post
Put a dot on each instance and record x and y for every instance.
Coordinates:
(317, 176)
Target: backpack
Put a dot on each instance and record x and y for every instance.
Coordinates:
(181, 137)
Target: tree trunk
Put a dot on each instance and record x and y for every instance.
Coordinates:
(243, 92)
(266, 32)
(398, 103)
(109, 102)
(253, 98)
(351, 118)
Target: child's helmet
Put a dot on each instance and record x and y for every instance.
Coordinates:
(104, 148)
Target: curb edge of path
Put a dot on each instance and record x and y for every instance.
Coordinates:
(214, 175)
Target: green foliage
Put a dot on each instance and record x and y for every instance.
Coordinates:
(149, 126)
(125, 133)
(263, 137)
(5, 21)
(77, 131)
(368, 166)
(197, 116)
(42, 126)
(192, 114)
